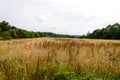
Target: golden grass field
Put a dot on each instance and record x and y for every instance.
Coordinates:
(59, 59)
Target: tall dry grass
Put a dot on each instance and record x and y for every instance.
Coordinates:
(59, 59)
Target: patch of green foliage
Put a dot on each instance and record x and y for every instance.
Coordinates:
(10, 32)
(51, 72)
(110, 32)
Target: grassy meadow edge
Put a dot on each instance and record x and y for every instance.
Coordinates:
(59, 59)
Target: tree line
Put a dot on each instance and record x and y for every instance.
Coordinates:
(109, 32)
(11, 32)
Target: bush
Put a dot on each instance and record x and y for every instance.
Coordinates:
(1, 38)
(6, 35)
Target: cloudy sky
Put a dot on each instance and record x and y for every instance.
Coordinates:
(60, 16)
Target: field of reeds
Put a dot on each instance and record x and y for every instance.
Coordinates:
(59, 59)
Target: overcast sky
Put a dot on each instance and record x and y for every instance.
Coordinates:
(75, 17)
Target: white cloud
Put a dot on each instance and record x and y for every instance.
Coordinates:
(41, 18)
(60, 16)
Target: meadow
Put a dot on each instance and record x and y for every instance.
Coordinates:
(59, 59)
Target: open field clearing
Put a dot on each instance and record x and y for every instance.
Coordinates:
(59, 59)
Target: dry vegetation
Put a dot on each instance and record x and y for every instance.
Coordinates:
(59, 59)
